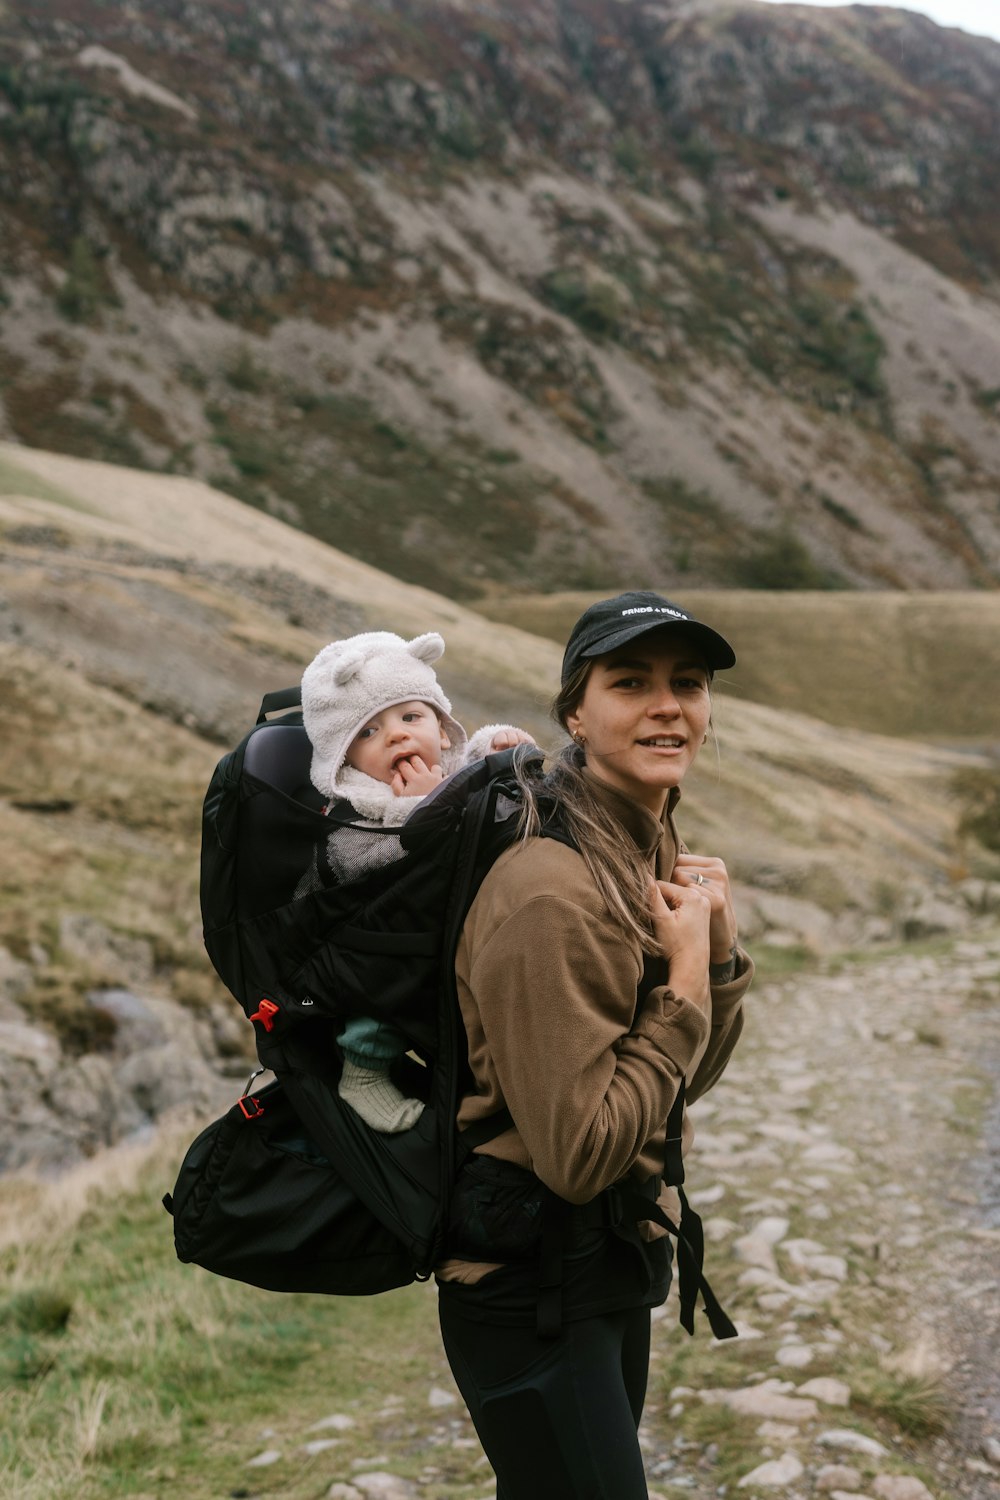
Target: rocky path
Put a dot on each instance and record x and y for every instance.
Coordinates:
(855, 1232)
(850, 1183)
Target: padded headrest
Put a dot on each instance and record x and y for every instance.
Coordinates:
(280, 754)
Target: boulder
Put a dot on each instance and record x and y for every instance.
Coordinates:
(138, 1023)
(128, 960)
(170, 1076)
(15, 980)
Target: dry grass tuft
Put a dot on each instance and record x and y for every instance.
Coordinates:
(907, 1389)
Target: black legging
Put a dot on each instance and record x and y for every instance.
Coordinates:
(558, 1418)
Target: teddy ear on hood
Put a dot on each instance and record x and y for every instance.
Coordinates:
(349, 666)
(427, 648)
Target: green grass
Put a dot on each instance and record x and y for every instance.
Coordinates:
(914, 1402)
(126, 1373)
(978, 790)
(774, 961)
(369, 488)
(15, 480)
(441, 516)
(116, 854)
(782, 561)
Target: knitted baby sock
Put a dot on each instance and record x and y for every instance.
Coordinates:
(374, 1096)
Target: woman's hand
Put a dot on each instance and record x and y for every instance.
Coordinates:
(413, 777)
(681, 923)
(714, 884)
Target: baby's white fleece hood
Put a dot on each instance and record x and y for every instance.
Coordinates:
(350, 681)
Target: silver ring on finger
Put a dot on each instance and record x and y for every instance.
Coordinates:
(699, 879)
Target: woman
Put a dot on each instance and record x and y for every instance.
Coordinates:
(600, 981)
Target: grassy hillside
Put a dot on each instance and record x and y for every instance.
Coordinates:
(915, 665)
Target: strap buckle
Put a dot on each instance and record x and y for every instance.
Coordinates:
(265, 1014)
(249, 1105)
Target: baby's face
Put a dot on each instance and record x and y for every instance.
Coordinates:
(398, 733)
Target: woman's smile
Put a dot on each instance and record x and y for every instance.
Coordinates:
(659, 742)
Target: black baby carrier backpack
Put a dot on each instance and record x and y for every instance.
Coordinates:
(291, 1190)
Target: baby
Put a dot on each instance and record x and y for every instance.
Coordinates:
(383, 737)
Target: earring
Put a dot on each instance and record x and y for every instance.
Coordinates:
(580, 738)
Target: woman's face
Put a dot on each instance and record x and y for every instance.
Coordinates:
(644, 715)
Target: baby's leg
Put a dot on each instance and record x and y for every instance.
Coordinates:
(369, 1048)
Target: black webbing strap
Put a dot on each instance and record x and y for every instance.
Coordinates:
(621, 1204)
(608, 1208)
(557, 1215)
(690, 1257)
(673, 1161)
(629, 1206)
(278, 701)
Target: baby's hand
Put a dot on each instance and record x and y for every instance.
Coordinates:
(413, 777)
(506, 739)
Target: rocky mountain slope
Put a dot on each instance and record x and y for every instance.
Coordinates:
(545, 294)
(143, 616)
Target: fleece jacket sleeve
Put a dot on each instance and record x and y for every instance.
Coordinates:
(481, 743)
(727, 1026)
(555, 991)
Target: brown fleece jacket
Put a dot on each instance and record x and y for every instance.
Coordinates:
(547, 983)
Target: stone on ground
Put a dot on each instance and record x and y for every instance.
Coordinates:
(837, 1477)
(901, 1487)
(763, 1401)
(824, 1388)
(777, 1471)
(851, 1442)
(264, 1460)
(382, 1486)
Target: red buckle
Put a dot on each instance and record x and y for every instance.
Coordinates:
(265, 1014)
(251, 1107)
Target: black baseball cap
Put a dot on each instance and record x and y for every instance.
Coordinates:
(614, 622)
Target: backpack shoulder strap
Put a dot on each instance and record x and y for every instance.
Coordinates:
(278, 701)
(487, 1129)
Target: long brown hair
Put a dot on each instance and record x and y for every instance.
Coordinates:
(621, 878)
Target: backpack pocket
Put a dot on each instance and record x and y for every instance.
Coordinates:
(258, 1201)
(496, 1211)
